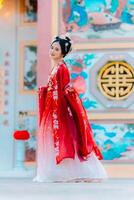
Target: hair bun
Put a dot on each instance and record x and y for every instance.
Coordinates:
(56, 38)
(67, 36)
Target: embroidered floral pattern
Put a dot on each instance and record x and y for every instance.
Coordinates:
(53, 87)
(50, 85)
(55, 121)
(69, 111)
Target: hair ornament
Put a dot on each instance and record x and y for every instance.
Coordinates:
(66, 45)
(65, 37)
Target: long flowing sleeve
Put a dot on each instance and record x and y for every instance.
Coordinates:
(69, 120)
(65, 122)
(41, 101)
(85, 141)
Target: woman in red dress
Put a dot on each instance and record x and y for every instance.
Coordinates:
(66, 148)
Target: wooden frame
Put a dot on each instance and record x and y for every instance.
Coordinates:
(28, 12)
(28, 65)
(27, 120)
(121, 42)
(30, 151)
(114, 117)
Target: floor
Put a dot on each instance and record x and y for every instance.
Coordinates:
(25, 189)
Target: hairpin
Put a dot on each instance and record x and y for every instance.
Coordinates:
(66, 45)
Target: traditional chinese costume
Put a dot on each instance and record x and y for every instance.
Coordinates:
(66, 148)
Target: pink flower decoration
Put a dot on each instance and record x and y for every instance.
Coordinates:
(79, 84)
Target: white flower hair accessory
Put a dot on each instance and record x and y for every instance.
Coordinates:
(66, 35)
(66, 45)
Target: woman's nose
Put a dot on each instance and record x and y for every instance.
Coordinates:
(52, 50)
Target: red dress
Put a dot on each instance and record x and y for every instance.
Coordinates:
(65, 138)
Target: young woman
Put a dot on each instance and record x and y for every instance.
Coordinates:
(66, 148)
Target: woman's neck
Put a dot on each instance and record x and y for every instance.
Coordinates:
(56, 62)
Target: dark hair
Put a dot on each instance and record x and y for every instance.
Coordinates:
(65, 44)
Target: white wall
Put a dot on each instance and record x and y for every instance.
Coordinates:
(8, 46)
(12, 34)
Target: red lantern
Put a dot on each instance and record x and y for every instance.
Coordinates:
(21, 135)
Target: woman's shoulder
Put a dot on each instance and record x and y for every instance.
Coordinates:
(63, 66)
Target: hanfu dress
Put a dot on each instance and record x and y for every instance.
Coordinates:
(66, 149)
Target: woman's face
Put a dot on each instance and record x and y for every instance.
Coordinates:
(55, 51)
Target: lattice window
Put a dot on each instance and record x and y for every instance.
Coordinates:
(116, 80)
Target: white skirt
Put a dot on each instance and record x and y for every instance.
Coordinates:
(69, 169)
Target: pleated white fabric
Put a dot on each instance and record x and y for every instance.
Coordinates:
(69, 169)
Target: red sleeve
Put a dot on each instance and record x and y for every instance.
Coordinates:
(63, 76)
(41, 101)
